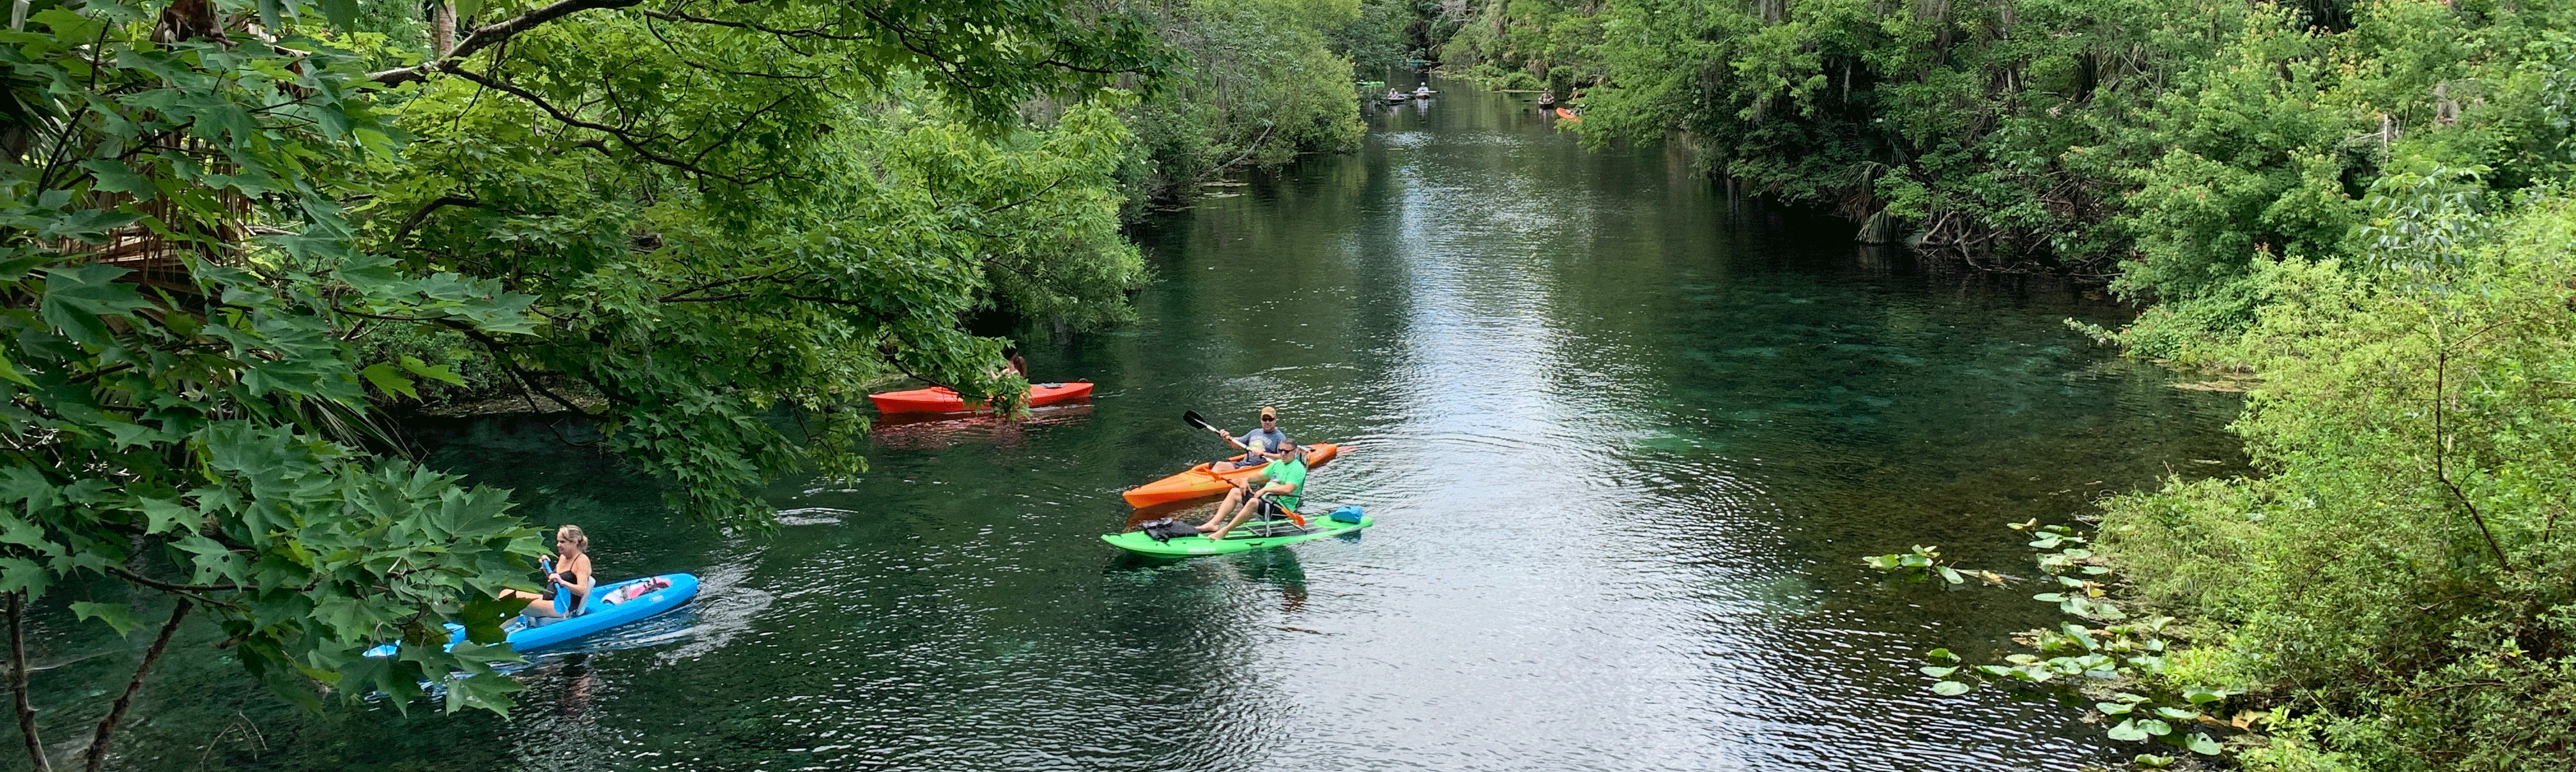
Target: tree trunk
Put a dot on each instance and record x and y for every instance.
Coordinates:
(18, 681)
(442, 28)
(97, 756)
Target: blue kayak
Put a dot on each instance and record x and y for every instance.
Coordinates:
(604, 615)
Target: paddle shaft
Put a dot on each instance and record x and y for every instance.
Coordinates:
(1193, 418)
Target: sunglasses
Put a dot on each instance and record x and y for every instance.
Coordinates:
(1269, 419)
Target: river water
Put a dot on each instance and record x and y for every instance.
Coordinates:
(1626, 445)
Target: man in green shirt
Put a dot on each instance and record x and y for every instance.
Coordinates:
(1279, 484)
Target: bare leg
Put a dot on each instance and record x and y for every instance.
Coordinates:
(538, 606)
(1241, 514)
(1233, 498)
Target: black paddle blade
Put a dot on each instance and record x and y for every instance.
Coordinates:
(1194, 419)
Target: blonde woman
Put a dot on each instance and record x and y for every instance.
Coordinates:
(568, 578)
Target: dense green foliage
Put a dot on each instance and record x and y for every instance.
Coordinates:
(775, 230)
(2361, 202)
(691, 214)
(2163, 142)
(2399, 578)
(1260, 82)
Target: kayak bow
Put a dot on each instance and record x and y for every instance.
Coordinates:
(1202, 482)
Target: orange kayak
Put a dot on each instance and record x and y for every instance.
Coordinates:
(940, 400)
(1200, 483)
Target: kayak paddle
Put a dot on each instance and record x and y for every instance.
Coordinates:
(1293, 517)
(1200, 421)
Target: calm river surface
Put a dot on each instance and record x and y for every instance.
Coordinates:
(1625, 450)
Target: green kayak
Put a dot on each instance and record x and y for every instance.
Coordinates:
(1250, 536)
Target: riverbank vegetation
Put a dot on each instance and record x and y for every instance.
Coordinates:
(2156, 144)
(2363, 204)
(235, 230)
(1259, 83)
(2400, 580)
(239, 231)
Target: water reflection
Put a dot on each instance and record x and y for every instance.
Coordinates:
(925, 431)
(1625, 446)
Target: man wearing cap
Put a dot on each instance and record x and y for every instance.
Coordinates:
(1280, 484)
(1259, 445)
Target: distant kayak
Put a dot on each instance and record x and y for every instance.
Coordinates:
(1199, 482)
(938, 399)
(620, 604)
(1250, 536)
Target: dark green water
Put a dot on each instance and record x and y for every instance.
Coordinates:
(1625, 448)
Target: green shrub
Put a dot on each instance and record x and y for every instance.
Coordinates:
(2399, 577)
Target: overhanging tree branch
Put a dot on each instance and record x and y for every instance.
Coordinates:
(632, 144)
(680, 16)
(415, 219)
(122, 573)
(490, 35)
(1032, 196)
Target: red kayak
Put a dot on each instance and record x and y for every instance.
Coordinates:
(1200, 483)
(940, 400)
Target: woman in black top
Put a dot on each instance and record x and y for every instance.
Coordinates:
(569, 573)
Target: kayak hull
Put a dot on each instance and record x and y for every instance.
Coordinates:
(1250, 536)
(601, 618)
(941, 400)
(1200, 482)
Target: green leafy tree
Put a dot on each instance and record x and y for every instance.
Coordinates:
(2398, 577)
(2161, 143)
(785, 221)
(695, 211)
(1259, 84)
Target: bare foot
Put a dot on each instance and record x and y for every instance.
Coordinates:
(1218, 536)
